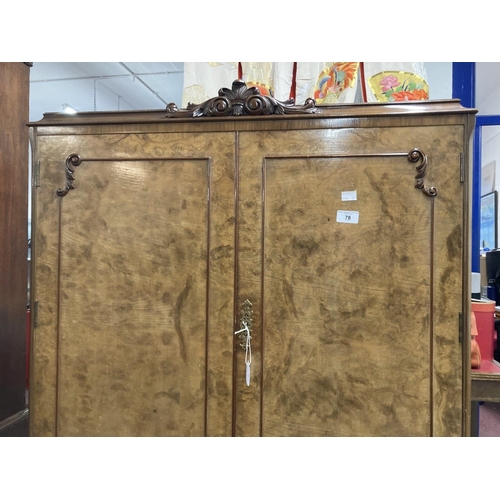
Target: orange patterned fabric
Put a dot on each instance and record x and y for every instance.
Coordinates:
(335, 79)
(394, 82)
(327, 82)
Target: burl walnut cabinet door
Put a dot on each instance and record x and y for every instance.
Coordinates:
(134, 283)
(355, 280)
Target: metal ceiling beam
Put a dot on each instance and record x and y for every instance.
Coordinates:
(99, 77)
(137, 77)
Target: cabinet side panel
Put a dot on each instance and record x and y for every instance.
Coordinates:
(43, 382)
(449, 282)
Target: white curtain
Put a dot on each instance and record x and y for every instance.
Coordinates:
(326, 82)
(202, 80)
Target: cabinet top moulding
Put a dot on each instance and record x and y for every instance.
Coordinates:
(352, 111)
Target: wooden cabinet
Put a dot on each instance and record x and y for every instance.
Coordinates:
(340, 234)
(14, 156)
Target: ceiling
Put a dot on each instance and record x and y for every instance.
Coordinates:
(104, 86)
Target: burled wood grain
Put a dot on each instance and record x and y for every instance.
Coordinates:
(137, 302)
(355, 326)
(332, 291)
(451, 286)
(133, 302)
(45, 252)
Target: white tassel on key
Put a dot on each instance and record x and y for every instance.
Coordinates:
(248, 373)
(248, 356)
(248, 352)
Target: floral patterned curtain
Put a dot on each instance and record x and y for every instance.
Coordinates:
(396, 81)
(326, 82)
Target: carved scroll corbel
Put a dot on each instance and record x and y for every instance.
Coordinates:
(72, 161)
(417, 156)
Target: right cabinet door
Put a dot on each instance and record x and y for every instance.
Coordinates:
(355, 280)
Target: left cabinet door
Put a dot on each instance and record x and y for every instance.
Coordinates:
(134, 278)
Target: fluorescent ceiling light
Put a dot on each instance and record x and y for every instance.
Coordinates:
(69, 109)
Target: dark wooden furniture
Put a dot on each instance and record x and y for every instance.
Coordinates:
(14, 100)
(486, 382)
(485, 387)
(338, 234)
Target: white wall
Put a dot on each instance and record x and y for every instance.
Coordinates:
(488, 88)
(488, 103)
(439, 78)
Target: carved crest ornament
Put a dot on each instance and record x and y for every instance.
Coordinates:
(241, 100)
